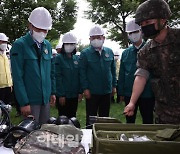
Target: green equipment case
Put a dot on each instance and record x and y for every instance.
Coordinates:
(162, 139)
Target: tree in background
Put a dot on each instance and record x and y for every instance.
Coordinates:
(81, 47)
(64, 17)
(14, 16)
(175, 18)
(113, 14)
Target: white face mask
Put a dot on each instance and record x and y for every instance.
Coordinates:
(116, 57)
(39, 36)
(69, 48)
(96, 43)
(135, 37)
(3, 47)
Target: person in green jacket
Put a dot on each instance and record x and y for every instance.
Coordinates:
(126, 76)
(32, 68)
(67, 77)
(97, 75)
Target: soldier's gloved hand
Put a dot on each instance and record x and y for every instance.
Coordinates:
(26, 110)
(62, 100)
(87, 94)
(129, 109)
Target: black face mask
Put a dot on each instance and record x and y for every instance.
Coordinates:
(149, 31)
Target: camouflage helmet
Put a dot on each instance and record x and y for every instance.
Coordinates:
(152, 9)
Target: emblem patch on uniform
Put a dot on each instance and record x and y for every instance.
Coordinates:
(106, 55)
(75, 62)
(46, 51)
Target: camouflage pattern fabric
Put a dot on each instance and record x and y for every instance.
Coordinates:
(163, 61)
(46, 141)
(152, 9)
(63, 129)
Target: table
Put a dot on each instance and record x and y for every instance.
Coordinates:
(86, 141)
(4, 150)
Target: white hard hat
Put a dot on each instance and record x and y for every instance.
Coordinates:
(78, 53)
(96, 30)
(54, 51)
(117, 53)
(41, 18)
(131, 26)
(3, 37)
(69, 38)
(59, 46)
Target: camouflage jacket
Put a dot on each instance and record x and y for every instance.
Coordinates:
(163, 61)
(51, 139)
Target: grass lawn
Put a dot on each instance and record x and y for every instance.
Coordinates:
(115, 112)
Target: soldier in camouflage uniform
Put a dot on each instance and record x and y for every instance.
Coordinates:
(161, 57)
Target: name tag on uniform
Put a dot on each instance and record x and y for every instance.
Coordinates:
(75, 62)
(106, 55)
(46, 51)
